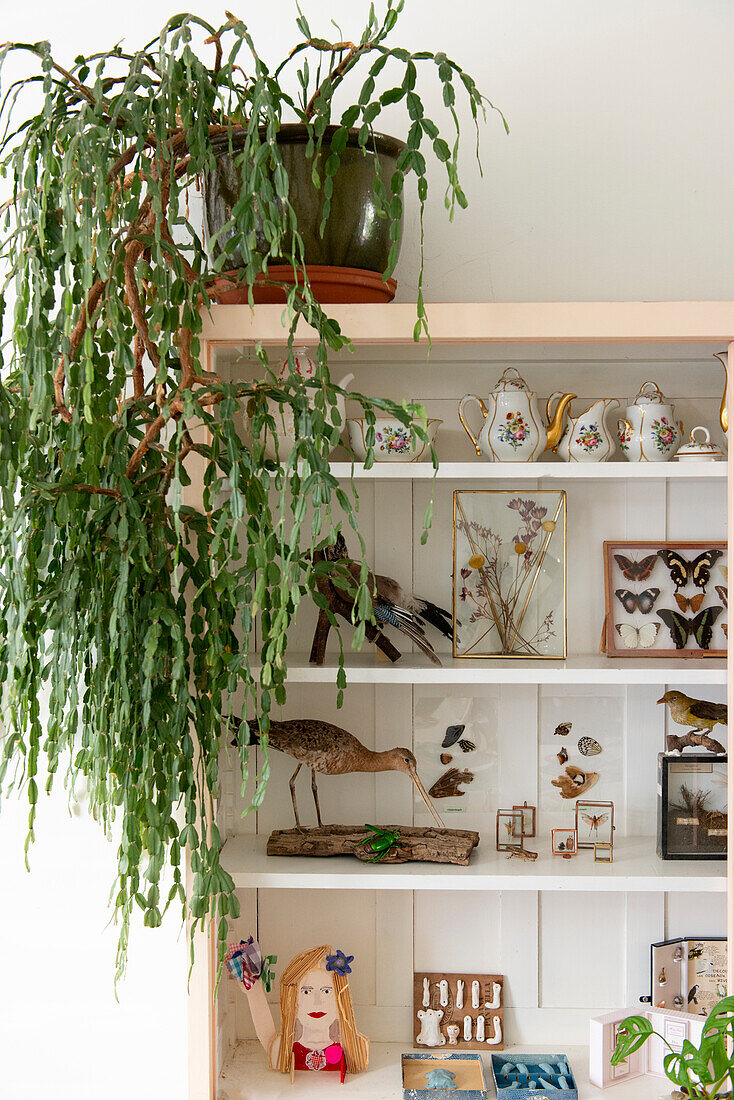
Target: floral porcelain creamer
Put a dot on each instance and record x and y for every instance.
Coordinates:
(586, 437)
(393, 442)
(513, 429)
(304, 367)
(649, 432)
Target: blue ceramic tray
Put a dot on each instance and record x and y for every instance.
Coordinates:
(445, 1094)
(510, 1090)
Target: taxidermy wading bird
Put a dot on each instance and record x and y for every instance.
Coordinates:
(391, 605)
(333, 751)
(700, 714)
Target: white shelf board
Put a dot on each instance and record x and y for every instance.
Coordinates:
(370, 667)
(245, 1076)
(533, 471)
(635, 868)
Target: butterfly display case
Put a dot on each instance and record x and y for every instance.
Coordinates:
(665, 599)
(692, 806)
(688, 975)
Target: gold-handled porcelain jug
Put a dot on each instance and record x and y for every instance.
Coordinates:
(649, 431)
(512, 429)
(586, 437)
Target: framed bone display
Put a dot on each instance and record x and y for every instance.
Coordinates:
(688, 975)
(665, 599)
(458, 1011)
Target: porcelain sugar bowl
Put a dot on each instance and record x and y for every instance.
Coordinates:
(699, 450)
(649, 432)
(512, 428)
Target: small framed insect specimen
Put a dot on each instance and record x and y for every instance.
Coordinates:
(528, 820)
(603, 852)
(665, 598)
(594, 823)
(564, 842)
(509, 832)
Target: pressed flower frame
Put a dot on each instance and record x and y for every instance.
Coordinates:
(509, 573)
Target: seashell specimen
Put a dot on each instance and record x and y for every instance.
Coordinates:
(589, 747)
(453, 733)
(447, 786)
(467, 746)
(563, 729)
(562, 755)
(446, 758)
(574, 782)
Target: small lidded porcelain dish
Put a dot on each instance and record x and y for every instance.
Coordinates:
(699, 450)
(392, 439)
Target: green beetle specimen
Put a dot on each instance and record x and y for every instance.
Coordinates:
(381, 842)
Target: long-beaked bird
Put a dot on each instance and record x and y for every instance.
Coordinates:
(332, 750)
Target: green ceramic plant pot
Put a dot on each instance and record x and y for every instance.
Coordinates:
(354, 236)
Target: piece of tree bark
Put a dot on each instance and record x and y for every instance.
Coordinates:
(698, 740)
(429, 845)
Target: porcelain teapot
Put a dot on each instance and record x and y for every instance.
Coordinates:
(305, 367)
(512, 428)
(649, 432)
(586, 438)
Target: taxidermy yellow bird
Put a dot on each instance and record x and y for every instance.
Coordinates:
(701, 715)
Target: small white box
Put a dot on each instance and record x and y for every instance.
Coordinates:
(676, 1027)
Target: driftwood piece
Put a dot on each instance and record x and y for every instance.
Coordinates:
(429, 845)
(323, 626)
(700, 740)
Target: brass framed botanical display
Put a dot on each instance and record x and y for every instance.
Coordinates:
(509, 573)
(665, 599)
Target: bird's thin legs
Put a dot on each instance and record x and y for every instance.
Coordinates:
(292, 786)
(315, 790)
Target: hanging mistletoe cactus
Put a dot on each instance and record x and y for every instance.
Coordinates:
(125, 616)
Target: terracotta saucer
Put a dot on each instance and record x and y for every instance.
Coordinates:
(329, 285)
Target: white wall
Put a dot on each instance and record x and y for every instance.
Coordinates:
(615, 182)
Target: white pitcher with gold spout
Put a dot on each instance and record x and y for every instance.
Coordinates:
(512, 428)
(586, 438)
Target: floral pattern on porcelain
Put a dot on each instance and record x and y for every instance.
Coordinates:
(514, 431)
(664, 433)
(394, 440)
(589, 438)
(625, 437)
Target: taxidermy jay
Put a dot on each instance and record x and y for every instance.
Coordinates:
(391, 605)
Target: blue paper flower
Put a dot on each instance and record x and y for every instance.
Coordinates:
(339, 963)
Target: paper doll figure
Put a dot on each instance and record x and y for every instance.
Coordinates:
(317, 1029)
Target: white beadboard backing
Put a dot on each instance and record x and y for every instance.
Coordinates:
(567, 953)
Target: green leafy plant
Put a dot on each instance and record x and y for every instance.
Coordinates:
(132, 614)
(702, 1072)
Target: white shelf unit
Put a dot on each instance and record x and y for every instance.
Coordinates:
(370, 667)
(635, 868)
(532, 471)
(566, 954)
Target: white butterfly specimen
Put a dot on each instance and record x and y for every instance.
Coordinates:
(638, 638)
